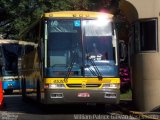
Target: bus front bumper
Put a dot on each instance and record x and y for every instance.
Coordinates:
(81, 96)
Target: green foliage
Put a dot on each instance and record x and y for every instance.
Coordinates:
(126, 96)
(21, 13)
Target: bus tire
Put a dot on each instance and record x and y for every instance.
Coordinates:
(38, 91)
(23, 84)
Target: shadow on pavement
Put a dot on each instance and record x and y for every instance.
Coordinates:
(14, 103)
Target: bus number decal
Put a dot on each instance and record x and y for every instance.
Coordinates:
(60, 81)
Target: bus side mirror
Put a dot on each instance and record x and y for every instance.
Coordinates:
(122, 50)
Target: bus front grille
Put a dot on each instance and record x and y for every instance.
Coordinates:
(83, 85)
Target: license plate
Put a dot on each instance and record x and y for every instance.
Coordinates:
(83, 95)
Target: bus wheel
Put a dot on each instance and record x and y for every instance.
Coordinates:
(9, 91)
(38, 91)
(23, 84)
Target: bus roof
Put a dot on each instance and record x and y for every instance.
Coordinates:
(77, 14)
(7, 41)
(27, 43)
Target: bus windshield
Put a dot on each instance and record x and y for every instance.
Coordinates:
(73, 46)
(10, 59)
(98, 40)
(99, 48)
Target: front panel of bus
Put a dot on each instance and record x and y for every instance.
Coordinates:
(80, 62)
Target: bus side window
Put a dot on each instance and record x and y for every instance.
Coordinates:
(28, 49)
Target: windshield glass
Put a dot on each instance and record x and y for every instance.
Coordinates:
(98, 48)
(98, 40)
(9, 73)
(10, 59)
(80, 48)
(64, 51)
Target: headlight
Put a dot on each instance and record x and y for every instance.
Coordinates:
(111, 85)
(56, 86)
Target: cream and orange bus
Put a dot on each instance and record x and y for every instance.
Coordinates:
(75, 61)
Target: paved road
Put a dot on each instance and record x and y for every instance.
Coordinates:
(16, 109)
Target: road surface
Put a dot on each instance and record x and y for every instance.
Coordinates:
(16, 109)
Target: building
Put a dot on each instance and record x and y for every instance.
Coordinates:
(144, 41)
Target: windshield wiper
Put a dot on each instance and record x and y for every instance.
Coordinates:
(96, 71)
(71, 65)
(70, 68)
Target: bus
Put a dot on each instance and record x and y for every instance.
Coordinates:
(25, 47)
(75, 60)
(9, 53)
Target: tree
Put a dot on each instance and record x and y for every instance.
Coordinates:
(18, 14)
(110, 6)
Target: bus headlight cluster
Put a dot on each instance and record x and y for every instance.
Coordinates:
(111, 85)
(56, 86)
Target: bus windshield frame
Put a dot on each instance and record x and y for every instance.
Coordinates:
(77, 46)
